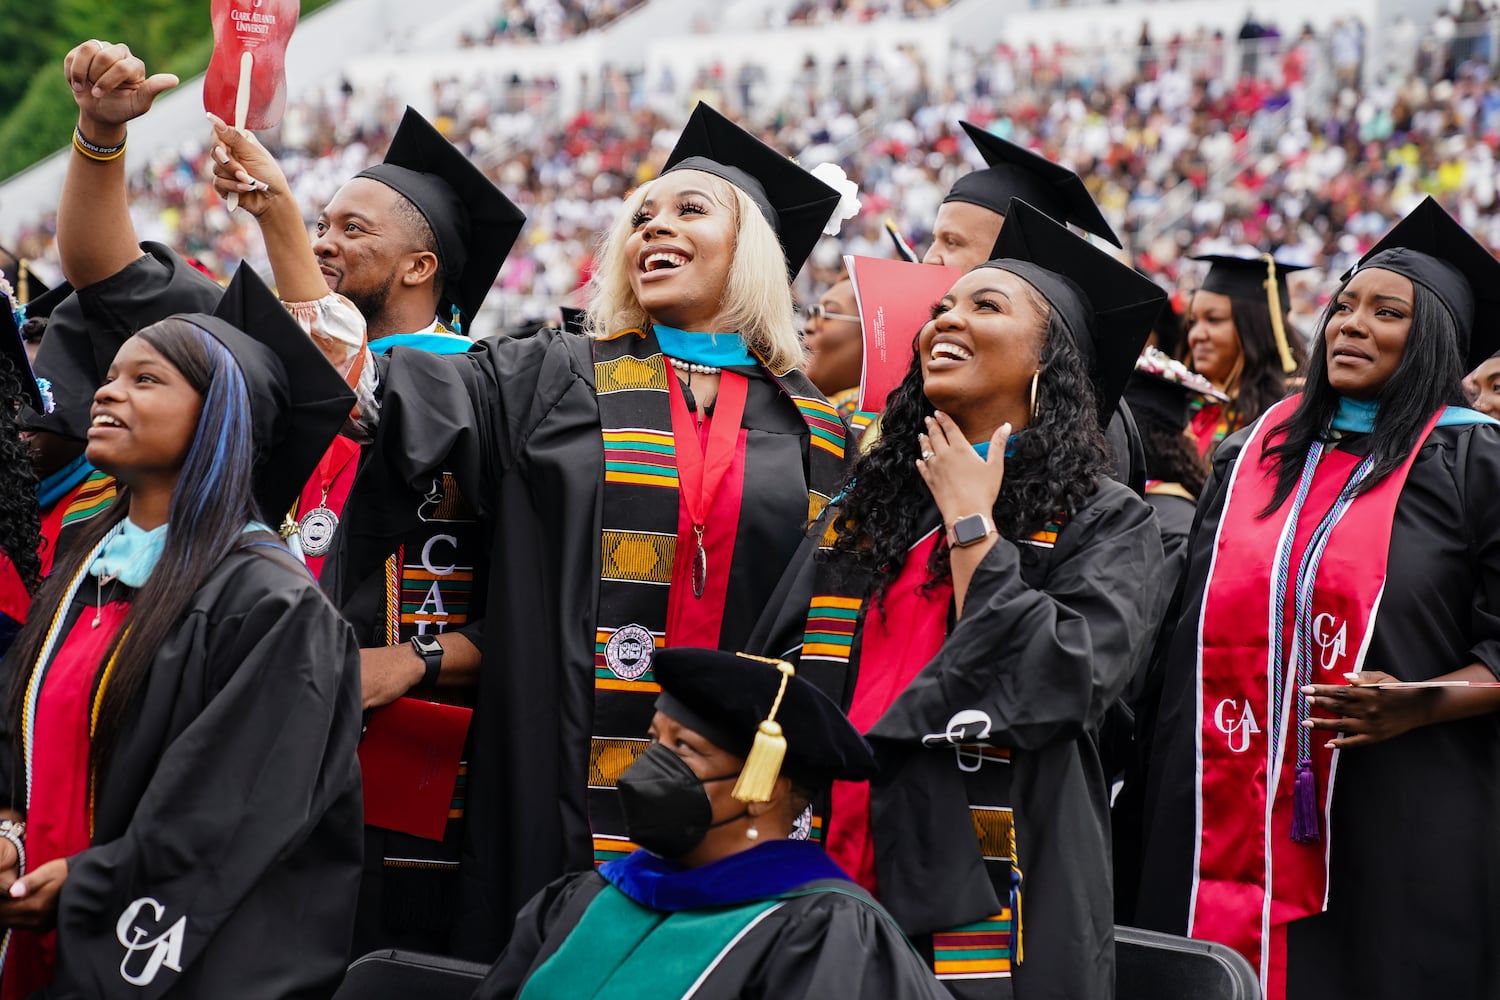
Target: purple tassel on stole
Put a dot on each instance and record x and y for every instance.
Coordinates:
(1305, 805)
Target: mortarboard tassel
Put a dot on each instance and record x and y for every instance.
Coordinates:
(763, 762)
(1278, 327)
(1305, 805)
(458, 321)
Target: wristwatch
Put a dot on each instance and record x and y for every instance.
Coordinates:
(431, 652)
(968, 530)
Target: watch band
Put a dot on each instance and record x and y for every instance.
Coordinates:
(432, 655)
(969, 530)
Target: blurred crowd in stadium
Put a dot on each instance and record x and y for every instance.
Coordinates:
(1280, 136)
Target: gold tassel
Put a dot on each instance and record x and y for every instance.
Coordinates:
(763, 762)
(1278, 327)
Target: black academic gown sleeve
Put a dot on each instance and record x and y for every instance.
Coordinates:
(231, 812)
(1087, 624)
(540, 929)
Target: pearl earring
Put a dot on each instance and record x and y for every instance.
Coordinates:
(752, 834)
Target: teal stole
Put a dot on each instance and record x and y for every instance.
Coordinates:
(621, 950)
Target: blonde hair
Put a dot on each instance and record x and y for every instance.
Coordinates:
(757, 301)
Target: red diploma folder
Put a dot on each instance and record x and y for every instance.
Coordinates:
(894, 299)
(410, 755)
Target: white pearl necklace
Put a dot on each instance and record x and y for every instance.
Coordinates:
(694, 369)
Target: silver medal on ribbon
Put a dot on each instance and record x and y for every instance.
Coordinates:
(316, 531)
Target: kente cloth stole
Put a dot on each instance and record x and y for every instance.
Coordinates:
(429, 579)
(890, 657)
(1209, 424)
(1251, 878)
(90, 497)
(646, 592)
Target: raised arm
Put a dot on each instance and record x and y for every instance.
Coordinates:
(95, 236)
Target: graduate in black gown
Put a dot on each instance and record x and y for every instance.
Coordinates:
(20, 524)
(183, 704)
(415, 243)
(726, 897)
(983, 593)
(972, 214)
(1340, 835)
(640, 485)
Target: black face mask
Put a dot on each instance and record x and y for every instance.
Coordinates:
(667, 809)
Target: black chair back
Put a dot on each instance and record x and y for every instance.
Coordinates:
(1154, 966)
(409, 975)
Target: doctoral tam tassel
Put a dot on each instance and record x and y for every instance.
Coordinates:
(1305, 805)
(763, 762)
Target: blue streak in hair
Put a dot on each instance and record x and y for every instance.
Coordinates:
(222, 451)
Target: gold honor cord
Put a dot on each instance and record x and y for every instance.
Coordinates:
(1278, 327)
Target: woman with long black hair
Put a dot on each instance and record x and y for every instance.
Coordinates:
(183, 703)
(1237, 339)
(20, 520)
(1339, 832)
(983, 593)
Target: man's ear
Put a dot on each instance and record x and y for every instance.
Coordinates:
(420, 266)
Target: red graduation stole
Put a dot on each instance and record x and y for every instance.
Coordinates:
(1250, 877)
(901, 635)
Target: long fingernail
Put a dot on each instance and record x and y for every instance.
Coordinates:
(221, 154)
(1306, 689)
(1306, 723)
(1330, 745)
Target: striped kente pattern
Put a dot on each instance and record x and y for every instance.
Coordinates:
(981, 950)
(605, 678)
(612, 849)
(97, 492)
(823, 424)
(831, 622)
(640, 457)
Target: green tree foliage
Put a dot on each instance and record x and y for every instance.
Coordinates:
(36, 111)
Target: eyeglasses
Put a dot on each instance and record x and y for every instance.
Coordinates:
(816, 311)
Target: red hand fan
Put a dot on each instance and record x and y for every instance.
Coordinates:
(246, 80)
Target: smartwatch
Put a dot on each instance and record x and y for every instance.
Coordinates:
(968, 530)
(431, 652)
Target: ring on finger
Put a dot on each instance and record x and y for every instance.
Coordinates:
(927, 455)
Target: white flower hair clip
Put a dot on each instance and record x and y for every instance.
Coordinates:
(848, 207)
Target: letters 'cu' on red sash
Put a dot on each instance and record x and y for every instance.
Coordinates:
(1250, 879)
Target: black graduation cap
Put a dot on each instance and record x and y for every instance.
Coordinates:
(85, 329)
(796, 203)
(1107, 306)
(474, 224)
(297, 401)
(1161, 388)
(1017, 172)
(1434, 251)
(726, 696)
(13, 348)
(1245, 277)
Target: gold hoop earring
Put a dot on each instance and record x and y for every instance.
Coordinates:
(1035, 378)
